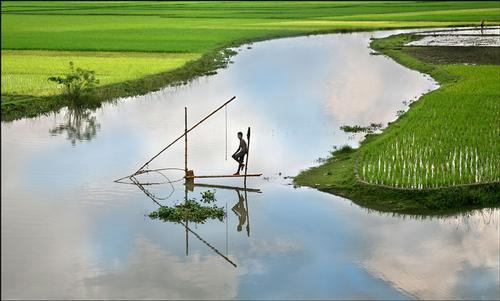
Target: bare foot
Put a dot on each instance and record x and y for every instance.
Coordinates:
(236, 174)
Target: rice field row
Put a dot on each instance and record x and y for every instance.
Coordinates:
(26, 72)
(201, 26)
(451, 138)
(352, 10)
(182, 31)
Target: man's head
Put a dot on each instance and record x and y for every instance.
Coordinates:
(240, 135)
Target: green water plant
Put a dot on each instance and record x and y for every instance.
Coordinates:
(373, 127)
(191, 210)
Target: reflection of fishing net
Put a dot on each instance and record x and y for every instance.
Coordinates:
(146, 177)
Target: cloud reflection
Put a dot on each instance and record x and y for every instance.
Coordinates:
(432, 266)
(151, 272)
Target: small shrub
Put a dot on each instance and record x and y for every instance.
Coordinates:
(340, 150)
(78, 84)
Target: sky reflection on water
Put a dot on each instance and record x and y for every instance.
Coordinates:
(68, 231)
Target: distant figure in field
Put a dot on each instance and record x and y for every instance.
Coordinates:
(240, 153)
(482, 26)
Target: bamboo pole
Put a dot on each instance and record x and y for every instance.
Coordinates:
(185, 141)
(248, 154)
(186, 172)
(185, 133)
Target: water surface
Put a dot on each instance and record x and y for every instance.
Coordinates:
(69, 231)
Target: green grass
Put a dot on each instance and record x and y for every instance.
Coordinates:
(26, 72)
(185, 30)
(18, 106)
(455, 129)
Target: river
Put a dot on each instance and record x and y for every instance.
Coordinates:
(69, 231)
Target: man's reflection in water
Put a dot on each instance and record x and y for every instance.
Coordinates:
(242, 212)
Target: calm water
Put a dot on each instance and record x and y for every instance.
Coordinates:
(69, 231)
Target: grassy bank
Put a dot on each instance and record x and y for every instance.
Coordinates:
(137, 47)
(461, 115)
(16, 106)
(25, 72)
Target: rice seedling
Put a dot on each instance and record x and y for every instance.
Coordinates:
(450, 139)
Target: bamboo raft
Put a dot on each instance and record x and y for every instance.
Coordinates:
(225, 176)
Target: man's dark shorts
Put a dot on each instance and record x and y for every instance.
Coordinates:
(239, 156)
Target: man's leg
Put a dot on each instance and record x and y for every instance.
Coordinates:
(242, 157)
(236, 157)
(239, 159)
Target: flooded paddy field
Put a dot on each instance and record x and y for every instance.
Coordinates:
(69, 231)
(460, 37)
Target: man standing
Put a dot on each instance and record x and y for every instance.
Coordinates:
(240, 153)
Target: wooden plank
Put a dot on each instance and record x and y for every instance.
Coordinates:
(225, 176)
(225, 187)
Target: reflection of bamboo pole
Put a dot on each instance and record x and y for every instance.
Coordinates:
(248, 154)
(209, 245)
(146, 192)
(248, 215)
(185, 225)
(187, 233)
(185, 133)
(227, 217)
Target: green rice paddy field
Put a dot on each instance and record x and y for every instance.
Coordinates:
(450, 139)
(443, 154)
(447, 139)
(186, 29)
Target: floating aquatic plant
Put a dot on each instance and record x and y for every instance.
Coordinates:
(191, 210)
